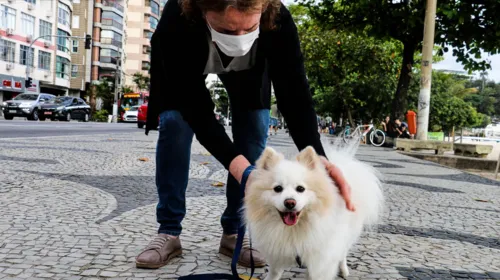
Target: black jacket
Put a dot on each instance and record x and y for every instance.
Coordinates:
(179, 52)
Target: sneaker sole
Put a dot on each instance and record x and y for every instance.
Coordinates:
(158, 265)
(229, 253)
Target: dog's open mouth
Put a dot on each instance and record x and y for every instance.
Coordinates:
(289, 218)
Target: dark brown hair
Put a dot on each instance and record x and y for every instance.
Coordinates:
(194, 9)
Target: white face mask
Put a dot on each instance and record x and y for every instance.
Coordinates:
(234, 45)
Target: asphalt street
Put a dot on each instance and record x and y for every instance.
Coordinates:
(22, 128)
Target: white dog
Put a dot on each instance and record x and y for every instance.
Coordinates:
(293, 209)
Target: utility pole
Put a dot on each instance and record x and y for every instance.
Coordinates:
(424, 98)
(115, 104)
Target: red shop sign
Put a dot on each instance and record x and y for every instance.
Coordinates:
(18, 85)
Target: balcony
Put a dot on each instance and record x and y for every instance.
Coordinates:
(113, 4)
(111, 41)
(111, 22)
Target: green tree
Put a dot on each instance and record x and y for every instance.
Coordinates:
(219, 96)
(127, 89)
(447, 108)
(349, 73)
(467, 27)
(141, 81)
(104, 91)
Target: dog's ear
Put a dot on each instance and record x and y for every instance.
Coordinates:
(309, 158)
(268, 159)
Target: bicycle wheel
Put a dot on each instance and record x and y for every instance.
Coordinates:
(377, 138)
(346, 135)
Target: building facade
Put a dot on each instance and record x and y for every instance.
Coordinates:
(142, 19)
(81, 58)
(108, 37)
(34, 22)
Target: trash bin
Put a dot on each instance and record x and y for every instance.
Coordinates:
(411, 118)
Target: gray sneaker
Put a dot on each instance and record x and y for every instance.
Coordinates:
(159, 252)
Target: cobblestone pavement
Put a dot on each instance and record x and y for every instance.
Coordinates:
(82, 207)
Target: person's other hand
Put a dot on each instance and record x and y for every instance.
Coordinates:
(340, 182)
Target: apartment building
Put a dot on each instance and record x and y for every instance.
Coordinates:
(21, 23)
(142, 19)
(81, 58)
(108, 37)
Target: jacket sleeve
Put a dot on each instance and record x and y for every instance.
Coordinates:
(286, 67)
(173, 76)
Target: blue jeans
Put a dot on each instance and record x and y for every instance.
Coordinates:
(173, 153)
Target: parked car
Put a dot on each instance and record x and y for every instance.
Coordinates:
(131, 114)
(142, 113)
(25, 105)
(65, 108)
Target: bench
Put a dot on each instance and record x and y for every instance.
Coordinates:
(408, 145)
(472, 150)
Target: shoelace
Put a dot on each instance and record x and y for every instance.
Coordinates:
(246, 243)
(158, 242)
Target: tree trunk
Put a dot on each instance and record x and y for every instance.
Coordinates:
(92, 97)
(400, 101)
(349, 116)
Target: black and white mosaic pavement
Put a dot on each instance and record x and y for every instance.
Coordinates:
(82, 207)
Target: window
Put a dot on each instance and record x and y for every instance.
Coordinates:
(148, 34)
(28, 24)
(63, 14)
(23, 55)
(7, 17)
(145, 65)
(109, 56)
(155, 8)
(112, 19)
(45, 29)
(7, 50)
(44, 60)
(31, 1)
(74, 71)
(162, 3)
(76, 22)
(62, 67)
(62, 42)
(75, 46)
(153, 22)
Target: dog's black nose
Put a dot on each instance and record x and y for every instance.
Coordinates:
(290, 204)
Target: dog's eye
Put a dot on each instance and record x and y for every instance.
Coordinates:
(300, 189)
(278, 189)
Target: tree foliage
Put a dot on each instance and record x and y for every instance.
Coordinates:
(349, 73)
(448, 106)
(467, 27)
(141, 81)
(219, 96)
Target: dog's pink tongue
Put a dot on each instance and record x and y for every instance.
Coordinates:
(290, 218)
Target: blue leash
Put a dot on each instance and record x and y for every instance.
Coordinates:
(237, 249)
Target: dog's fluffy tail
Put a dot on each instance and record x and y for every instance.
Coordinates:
(365, 181)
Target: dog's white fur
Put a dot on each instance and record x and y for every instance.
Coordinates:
(326, 230)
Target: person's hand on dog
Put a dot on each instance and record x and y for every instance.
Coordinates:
(340, 182)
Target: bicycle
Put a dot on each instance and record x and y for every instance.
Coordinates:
(376, 136)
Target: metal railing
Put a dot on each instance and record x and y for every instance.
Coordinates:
(111, 41)
(113, 4)
(111, 22)
(108, 59)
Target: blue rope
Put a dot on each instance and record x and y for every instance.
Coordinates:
(238, 247)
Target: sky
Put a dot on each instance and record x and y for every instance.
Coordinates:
(449, 63)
